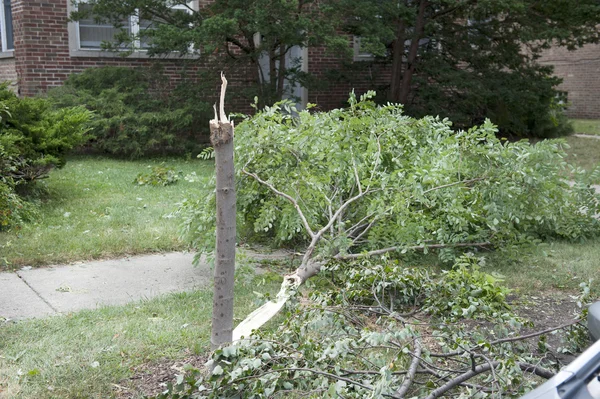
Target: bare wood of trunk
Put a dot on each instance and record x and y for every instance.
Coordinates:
(221, 137)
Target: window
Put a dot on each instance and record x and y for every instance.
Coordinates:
(360, 54)
(7, 26)
(91, 33)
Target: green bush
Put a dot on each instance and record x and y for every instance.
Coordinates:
(136, 111)
(34, 138)
(13, 209)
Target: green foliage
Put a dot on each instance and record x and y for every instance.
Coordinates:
(13, 209)
(462, 291)
(405, 182)
(470, 61)
(474, 60)
(230, 37)
(339, 346)
(160, 175)
(34, 138)
(136, 112)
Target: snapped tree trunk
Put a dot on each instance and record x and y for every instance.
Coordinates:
(221, 137)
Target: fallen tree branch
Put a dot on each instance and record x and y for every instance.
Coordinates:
(461, 378)
(414, 247)
(412, 371)
(509, 339)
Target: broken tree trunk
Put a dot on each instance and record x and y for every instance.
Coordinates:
(221, 137)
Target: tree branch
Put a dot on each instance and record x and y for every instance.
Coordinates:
(286, 196)
(453, 184)
(415, 247)
(461, 378)
(412, 371)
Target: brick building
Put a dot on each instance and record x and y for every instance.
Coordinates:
(41, 48)
(580, 71)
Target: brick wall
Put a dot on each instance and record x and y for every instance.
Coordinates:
(580, 71)
(42, 48)
(337, 77)
(8, 72)
(43, 60)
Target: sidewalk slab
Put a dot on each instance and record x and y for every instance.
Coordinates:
(116, 282)
(18, 301)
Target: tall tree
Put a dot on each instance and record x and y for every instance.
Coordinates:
(470, 59)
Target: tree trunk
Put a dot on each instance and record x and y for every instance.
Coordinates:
(281, 73)
(412, 53)
(221, 137)
(397, 56)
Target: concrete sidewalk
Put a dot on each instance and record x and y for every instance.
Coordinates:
(30, 293)
(47, 291)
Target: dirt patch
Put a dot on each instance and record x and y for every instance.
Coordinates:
(152, 379)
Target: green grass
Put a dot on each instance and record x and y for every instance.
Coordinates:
(586, 126)
(92, 209)
(550, 266)
(56, 357)
(584, 152)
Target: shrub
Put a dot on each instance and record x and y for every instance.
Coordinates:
(136, 112)
(34, 138)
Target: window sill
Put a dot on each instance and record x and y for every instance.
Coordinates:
(7, 54)
(366, 57)
(134, 55)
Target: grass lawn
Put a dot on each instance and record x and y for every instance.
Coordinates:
(92, 209)
(556, 265)
(82, 355)
(584, 152)
(587, 126)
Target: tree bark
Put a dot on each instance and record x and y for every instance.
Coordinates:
(281, 73)
(412, 53)
(397, 56)
(221, 137)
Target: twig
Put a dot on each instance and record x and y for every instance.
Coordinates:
(286, 196)
(453, 184)
(460, 379)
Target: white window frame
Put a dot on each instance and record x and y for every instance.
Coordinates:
(76, 50)
(6, 52)
(358, 55)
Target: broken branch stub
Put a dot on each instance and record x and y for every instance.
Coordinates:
(221, 137)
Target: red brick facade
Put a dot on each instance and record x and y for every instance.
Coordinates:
(44, 57)
(580, 71)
